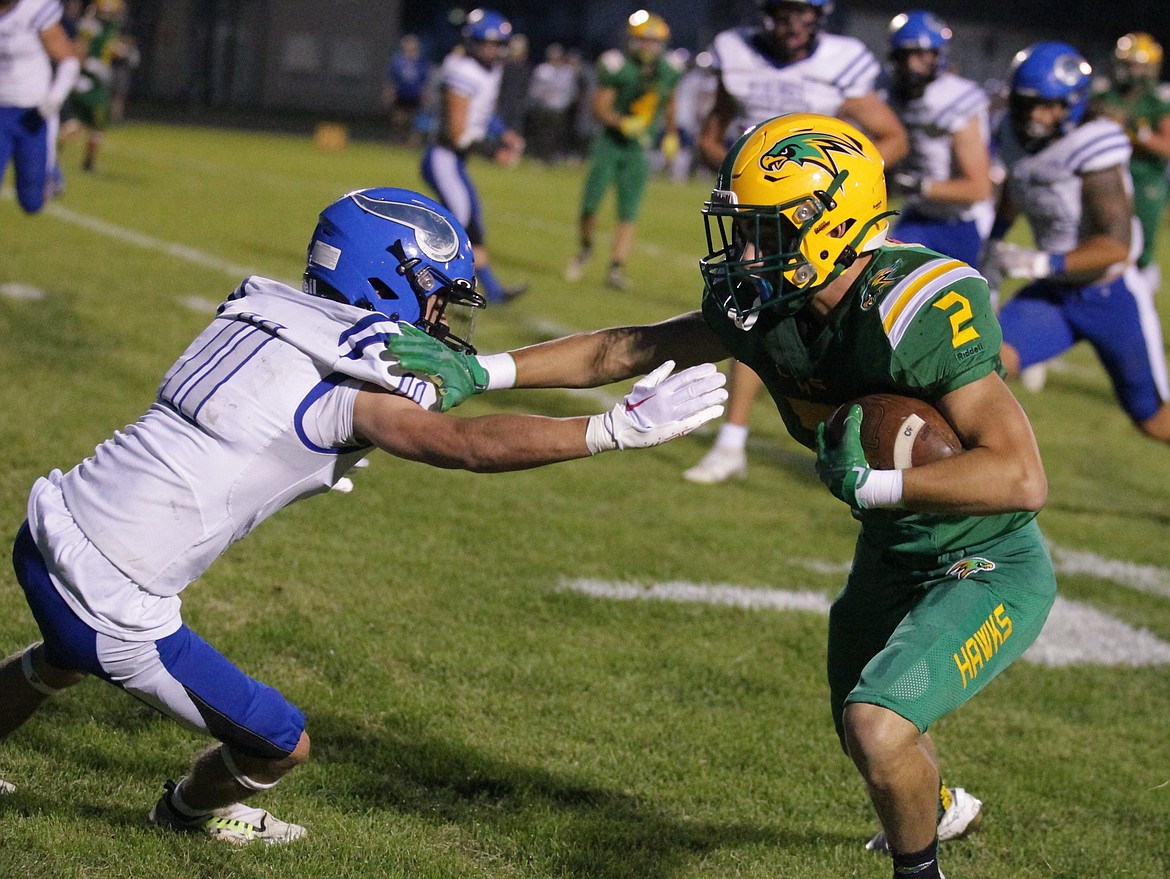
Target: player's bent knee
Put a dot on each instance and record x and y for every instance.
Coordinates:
(1157, 426)
(875, 735)
(259, 773)
(45, 678)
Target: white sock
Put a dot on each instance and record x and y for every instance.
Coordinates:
(732, 436)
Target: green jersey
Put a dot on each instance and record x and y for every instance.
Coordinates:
(915, 323)
(641, 91)
(1144, 106)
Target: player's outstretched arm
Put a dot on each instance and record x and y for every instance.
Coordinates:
(659, 408)
(584, 360)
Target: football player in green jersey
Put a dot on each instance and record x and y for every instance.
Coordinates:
(951, 580)
(634, 103)
(100, 35)
(1141, 104)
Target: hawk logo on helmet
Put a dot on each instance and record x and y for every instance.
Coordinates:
(808, 148)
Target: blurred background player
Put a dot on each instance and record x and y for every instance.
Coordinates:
(552, 92)
(402, 88)
(469, 90)
(786, 64)
(38, 66)
(945, 180)
(633, 103)
(1141, 104)
(100, 35)
(693, 98)
(1068, 175)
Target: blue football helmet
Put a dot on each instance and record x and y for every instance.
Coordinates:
(919, 30)
(1048, 71)
(913, 32)
(398, 253)
(487, 25)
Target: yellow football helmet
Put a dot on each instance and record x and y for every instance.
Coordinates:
(1138, 56)
(646, 36)
(645, 25)
(108, 8)
(797, 199)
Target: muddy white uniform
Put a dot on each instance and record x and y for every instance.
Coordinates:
(947, 106)
(255, 414)
(1115, 314)
(836, 69)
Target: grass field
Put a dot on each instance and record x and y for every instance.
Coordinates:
(474, 711)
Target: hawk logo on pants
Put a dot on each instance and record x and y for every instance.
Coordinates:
(964, 568)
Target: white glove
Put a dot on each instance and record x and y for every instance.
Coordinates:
(658, 409)
(49, 108)
(1014, 261)
(64, 78)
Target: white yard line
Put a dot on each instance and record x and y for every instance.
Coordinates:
(1075, 634)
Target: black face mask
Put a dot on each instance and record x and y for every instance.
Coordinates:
(1031, 137)
(907, 85)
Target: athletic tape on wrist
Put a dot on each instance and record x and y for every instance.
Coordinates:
(882, 489)
(500, 369)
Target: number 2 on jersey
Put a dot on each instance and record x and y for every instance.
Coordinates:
(960, 335)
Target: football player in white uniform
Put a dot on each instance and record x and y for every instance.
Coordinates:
(469, 86)
(1069, 176)
(283, 393)
(945, 179)
(786, 65)
(32, 41)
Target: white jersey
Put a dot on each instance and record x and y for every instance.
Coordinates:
(838, 68)
(25, 67)
(465, 76)
(257, 413)
(947, 106)
(1046, 186)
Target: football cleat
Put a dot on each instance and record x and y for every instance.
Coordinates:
(963, 815)
(6, 788)
(237, 823)
(615, 278)
(718, 465)
(575, 270)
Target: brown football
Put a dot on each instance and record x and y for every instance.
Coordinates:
(897, 432)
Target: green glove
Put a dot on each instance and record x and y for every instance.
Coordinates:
(457, 376)
(844, 468)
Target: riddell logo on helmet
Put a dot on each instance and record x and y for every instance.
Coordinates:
(809, 148)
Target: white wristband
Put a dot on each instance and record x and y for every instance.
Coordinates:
(883, 488)
(599, 433)
(501, 370)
